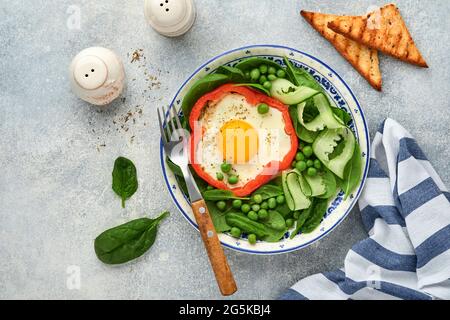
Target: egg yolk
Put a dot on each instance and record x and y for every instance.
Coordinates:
(238, 142)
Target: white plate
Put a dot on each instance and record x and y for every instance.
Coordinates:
(338, 92)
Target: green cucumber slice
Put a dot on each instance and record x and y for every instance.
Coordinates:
(327, 141)
(326, 117)
(296, 199)
(316, 184)
(288, 93)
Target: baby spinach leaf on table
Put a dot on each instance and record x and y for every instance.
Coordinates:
(127, 241)
(217, 195)
(255, 62)
(269, 191)
(201, 87)
(254, 85)
(318, 211)
(234, 74)
(124, 176)
(352, 173)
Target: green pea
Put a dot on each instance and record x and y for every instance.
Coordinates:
(254, 74)
(257, 198)
(272, 202)
(317, 164)
(237, 203)
(311, 172)
(264, 205)
(289, 223)
(219, 176)
(233, 179)
(262, 79)
(263, 214)
(293, 164)
(221, 205)
(281, 73)
(263, 69)
(296, 214)
(272, 70)
(252, 238)
(235, 232)
(225, 167)
(247, 75)
(267, 85)
(263, 108)
(209, 188)
(271, 77)
(252, 215)
(245, 208)
(300, 166)
(309, 163)
(256, 207)
(299, 156)
(280, 199)
(307, 151)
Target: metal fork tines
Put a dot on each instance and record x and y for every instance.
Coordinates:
(175, 143)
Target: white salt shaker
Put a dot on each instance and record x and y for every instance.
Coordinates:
(97, 75)
(170, 18)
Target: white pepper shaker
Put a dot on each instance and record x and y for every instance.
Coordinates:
(97, 75)
(170, 18)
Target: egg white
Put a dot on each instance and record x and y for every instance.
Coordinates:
(274, 142)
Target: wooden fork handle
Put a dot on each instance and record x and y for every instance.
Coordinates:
(219, 263)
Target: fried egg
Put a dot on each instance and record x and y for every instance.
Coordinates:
(233, 131)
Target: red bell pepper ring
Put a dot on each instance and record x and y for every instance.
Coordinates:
(253, 98)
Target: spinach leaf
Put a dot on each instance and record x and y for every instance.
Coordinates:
(302, 133)
(341, 114)
(277, 181)
(218, 217)
(124, 176)
(127, 241)
(314, 220)
(301, 77)
(330, 184)
(274, 235)
(217, 195)
(269, 191)
(255, 62)
(199, 88)
(234, 74)
(352, 173)
(275, 221)
(284, 210)
(301, 220)
(174, 168)
(254, 85)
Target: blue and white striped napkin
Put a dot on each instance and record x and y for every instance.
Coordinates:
(405, 208)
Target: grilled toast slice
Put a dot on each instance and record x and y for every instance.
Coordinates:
(383, 30)
(362, 58)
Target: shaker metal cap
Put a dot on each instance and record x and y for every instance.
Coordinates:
(170, 17)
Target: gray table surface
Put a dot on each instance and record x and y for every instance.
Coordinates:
(57, 152)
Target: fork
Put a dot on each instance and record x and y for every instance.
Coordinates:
(175, 143)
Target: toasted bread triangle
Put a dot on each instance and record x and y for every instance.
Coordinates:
(382, 29)
(362, 58)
